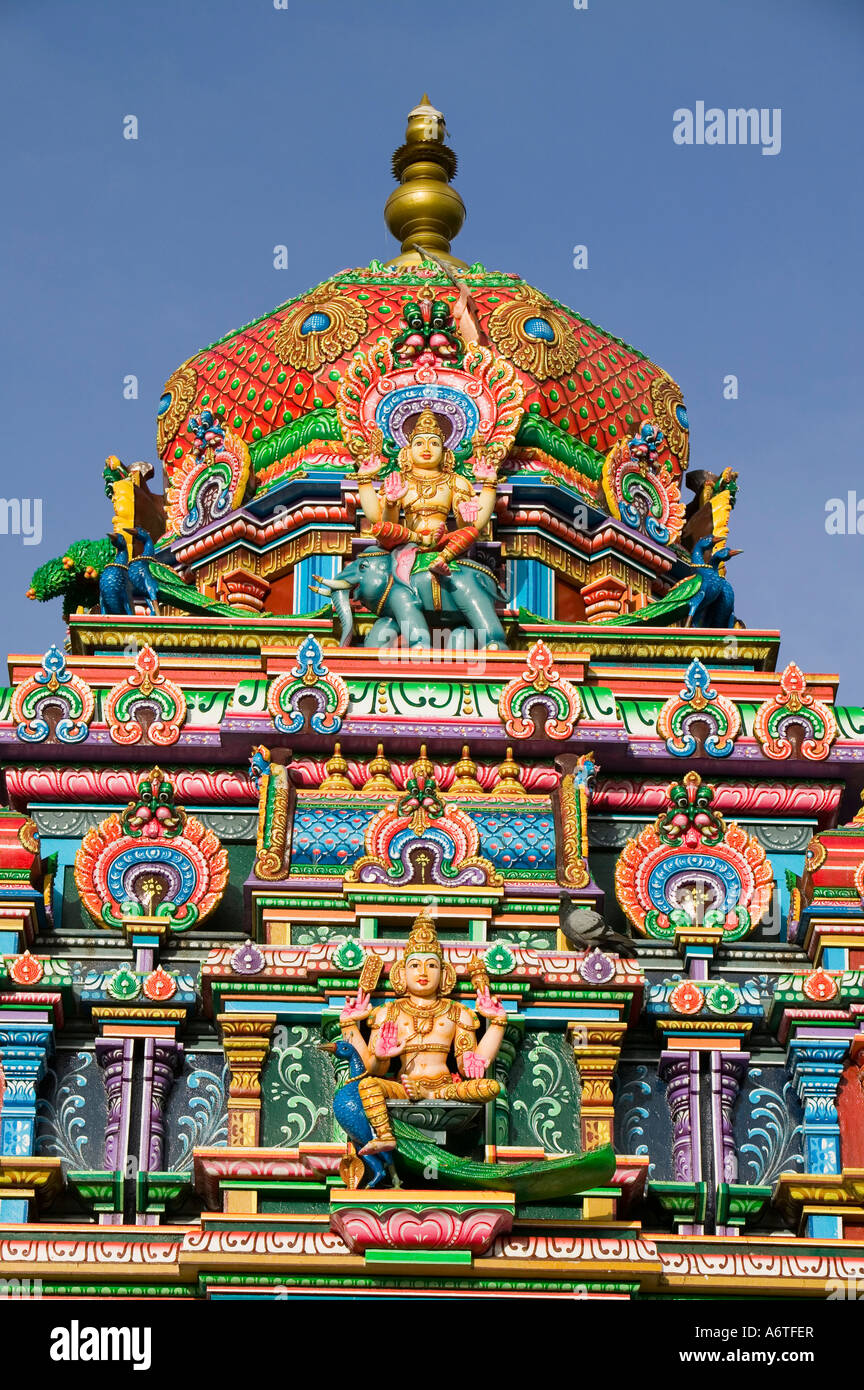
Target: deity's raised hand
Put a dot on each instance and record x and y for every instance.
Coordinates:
(387, 1043)
(489, 1007)
(358, 1010)
(485, 471)
(367, 454)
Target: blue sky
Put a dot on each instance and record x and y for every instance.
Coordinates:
(260, 126)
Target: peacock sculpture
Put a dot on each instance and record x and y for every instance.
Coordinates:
(713, 603)
(349, 1112)
(115, 590)
(141, 575)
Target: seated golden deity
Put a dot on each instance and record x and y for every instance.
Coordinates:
(425, 489)
(422, 1029)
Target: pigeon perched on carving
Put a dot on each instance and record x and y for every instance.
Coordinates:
(586, 929)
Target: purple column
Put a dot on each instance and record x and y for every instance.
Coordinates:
(728, 1070)
(114, 1056)
(162, 1061)
(680, 1071)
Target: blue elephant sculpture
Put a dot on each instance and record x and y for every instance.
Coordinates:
(463, 602)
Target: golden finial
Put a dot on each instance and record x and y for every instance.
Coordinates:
(465, 782)
(422, 768)
(379, 782)
(337, 773)
(508, 783)
(424, 208)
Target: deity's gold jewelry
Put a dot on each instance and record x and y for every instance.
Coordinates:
(464, 1042)
(427, 484)
(423, 938)
(426, 423)
(425, 487)
(425, 1018)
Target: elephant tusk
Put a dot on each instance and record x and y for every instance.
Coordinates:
(331, 583)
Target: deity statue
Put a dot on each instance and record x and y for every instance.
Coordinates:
(425, 489)
(422, 1028)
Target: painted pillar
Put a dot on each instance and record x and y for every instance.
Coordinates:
(680, 1071)
(25, 1045)
(162, 1061)
(597, 1049)
(728, 1070)
(531, 585)
(246, 1040)
(850, 1106)
(115, 1057)
(163, 1058)
(328, 566)
(816, 1066)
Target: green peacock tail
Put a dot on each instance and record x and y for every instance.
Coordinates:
(546, 1178)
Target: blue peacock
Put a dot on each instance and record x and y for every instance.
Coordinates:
(140, 574)
(349, 1112)
(713, 604)
(115, 590)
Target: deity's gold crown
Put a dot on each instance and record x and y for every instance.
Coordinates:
(423, 939)
(427, 423)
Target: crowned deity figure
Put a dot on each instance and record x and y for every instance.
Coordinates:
(422, 1029)
(425, 491)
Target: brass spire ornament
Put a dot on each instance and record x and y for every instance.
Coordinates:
(337, 780)
(509, 782)
(466, 783)
(424, 208)
(379, 781)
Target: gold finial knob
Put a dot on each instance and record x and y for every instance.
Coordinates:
(465, 782)
(379, 782)
(423, 769)
(508, 783)
(424, 208)
(336, 768)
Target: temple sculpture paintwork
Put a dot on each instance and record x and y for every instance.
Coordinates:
(414, 877)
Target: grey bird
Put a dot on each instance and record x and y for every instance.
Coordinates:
(584, 928)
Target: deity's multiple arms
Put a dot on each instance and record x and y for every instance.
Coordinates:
(473, 1057)
(415, 500)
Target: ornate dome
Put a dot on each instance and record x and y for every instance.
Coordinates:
(275, 382)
